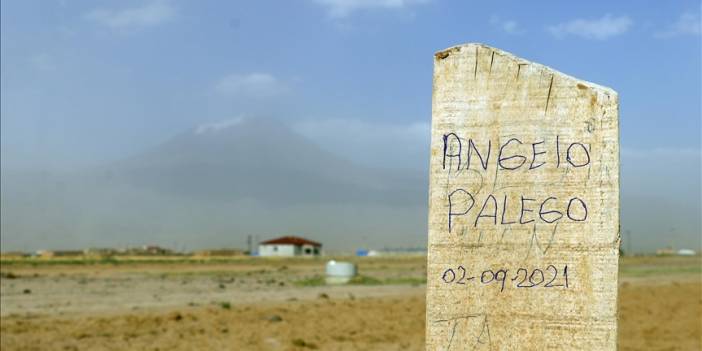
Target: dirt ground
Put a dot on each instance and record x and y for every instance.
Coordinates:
(283, 305)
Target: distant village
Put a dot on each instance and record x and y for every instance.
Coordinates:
(285, 246)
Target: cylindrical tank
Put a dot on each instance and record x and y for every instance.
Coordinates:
(340, 272)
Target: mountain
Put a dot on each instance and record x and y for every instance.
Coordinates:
(213, 185)
(262, 160)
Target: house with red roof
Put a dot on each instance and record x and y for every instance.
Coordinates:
(288, 246)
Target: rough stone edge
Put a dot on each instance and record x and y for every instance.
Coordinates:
(443, 54)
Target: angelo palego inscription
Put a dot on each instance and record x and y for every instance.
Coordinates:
(511, 159)
(523, 206)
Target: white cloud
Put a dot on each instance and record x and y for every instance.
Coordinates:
(508, 26)
(150, 14)
(600, 29)
(256, 85)
(687, 24)
(217, 126)
(343, 8)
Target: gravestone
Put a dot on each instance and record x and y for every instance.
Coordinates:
(523, 206)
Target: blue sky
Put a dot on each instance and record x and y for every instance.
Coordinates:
(85, 82)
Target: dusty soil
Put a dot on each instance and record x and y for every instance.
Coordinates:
(280, 305)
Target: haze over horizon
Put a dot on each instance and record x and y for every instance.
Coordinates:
(127, 123)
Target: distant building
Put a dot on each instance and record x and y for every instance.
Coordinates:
(99, 252)
(14, 254)
(59, 253)
(686, 252)
(146, 250)
(413, 251)
(219, 252)
(289, 246)
(155, 250)
(665, 251)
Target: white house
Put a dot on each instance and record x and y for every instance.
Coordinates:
(289, 246)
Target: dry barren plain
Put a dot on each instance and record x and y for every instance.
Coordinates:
(283, 304)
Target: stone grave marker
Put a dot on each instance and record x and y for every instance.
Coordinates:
(523, 206)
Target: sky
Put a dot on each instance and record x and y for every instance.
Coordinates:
(86, 82)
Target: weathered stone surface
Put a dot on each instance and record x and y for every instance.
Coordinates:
(524, 206)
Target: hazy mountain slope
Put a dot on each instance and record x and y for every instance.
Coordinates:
(214, 186)
(261, 160)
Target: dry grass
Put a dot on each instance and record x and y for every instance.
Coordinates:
(255, 305)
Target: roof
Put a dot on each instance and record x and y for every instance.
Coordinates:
(291, 240)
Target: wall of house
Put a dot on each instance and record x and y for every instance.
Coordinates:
(278, 250)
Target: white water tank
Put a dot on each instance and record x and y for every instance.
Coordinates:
(340, 272)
